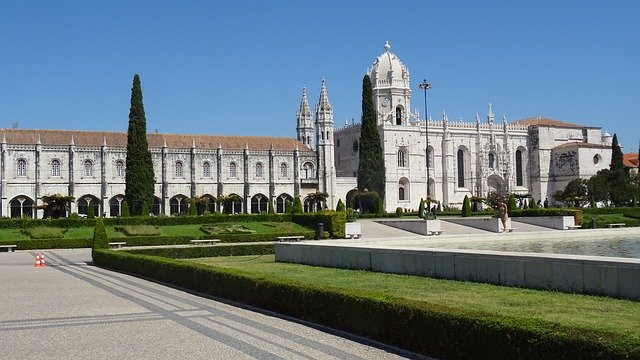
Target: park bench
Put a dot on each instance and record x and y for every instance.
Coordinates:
(510, 229)
(435, 232)
(353, 236)
(204, 241)
(291, 238)
(117, 245)
(616, 225)
(9, 248)
(573, 227)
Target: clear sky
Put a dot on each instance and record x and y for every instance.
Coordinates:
(238, 67)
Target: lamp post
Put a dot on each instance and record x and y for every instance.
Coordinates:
(426, 86)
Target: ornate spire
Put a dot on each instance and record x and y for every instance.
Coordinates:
(323, 103)
(490, 117)
(304, 104)
(477, 119)
(387, 47)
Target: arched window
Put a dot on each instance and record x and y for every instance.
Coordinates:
(21, 206)
(88, 168)
(206, 169)
(259, 203)
(115, 205)
(402, 160)
(21, 167)
(307, 171)
(492, 160)
(461, 168)
(119, 168)
(259, 170)
(283, 170)
(178, 205)
(398, 115)
(519, 177)
(178, 169)
(55, 167)
(403, 189)
(233, 170)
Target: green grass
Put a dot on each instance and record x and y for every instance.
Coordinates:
(603, 219)
(174, 230)
(616, 316)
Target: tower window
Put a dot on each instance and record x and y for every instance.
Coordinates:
(460, 168)
(55, 167)
(283, 170)
(119, 168)
(519, 177)
(492, 160)
(88, 168)
(178, 169)
(233, 170)
(402, 158)
(398, 115)
(259, 170)
(206, 169)
(21, 167)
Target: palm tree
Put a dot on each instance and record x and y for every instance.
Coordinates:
(56, 205)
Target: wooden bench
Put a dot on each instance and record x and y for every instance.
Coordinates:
(353, 236)
(117, 245)
(10, 248)
(573, 227)
(616, 225)
(291, 238)
(204, 241)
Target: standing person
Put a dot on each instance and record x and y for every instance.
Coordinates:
(546, 203)
(502, 212)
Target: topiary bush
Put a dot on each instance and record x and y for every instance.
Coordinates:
(466, 207)
(100, 238)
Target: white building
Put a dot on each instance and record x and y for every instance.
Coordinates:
(536, 156)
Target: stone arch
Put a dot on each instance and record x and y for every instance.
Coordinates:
(403, 189)
(259, 203)
(157, 206)
(115, 205)
(281, 201)
(178, 204)
(209, 205)
(399, 115)
(350, 199)
(308, 170)
(495, 183)
(463, 167)
(21, 206)
(86, 201)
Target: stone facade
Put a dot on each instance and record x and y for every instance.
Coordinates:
(536, 156)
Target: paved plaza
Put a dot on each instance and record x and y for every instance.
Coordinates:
(72, 310)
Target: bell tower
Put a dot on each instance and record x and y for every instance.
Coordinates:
(324, 146)
(304, 126)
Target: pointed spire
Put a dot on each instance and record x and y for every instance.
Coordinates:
(72, 142)
(246, 145)
(104, 141)
(504, 119)
(490, 117)
(387, 46)
(477, 118)
(304, 104)
(323, 103)
(39, 141)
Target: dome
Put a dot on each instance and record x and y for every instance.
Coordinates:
(388, 71)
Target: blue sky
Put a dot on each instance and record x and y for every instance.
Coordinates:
(237, 68)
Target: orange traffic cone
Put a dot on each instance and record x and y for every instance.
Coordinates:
(42, 260)
(38, 261)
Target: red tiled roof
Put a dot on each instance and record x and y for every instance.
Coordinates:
(175, 141)
(630, 160)
(546, 122)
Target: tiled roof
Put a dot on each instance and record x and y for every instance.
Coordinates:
(546, 122)
(630, 160)
(156, 140)
(580, 144)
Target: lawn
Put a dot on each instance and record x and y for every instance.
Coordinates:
(603, 219)
(620, 317)
(174, 230)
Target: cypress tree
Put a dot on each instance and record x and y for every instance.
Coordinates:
(139, 176)
(297, 205)
(100, 238)
(511, 205)
(421, 208)
(616, 155)
(125, 209)
(466, 207)
(340, 206)
(371, 172)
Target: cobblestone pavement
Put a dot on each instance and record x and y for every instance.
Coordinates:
(72, 310)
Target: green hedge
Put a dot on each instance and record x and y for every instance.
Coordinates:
(207, 251)
(431, 330)
(333, 222)
(41, 244)
(576, 213)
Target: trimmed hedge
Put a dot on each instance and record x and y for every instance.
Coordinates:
(333, 222)
(432, 330)
(576, 213)
(208, 251)
(40, 244)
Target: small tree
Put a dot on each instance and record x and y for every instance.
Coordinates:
(145, 209)
(297, 205)
(288, 206)
(125, 209)
(532, 204)
(340, 206)
(318, 198)
(90, 213)
(466, 207)
(421, 208)
(100, 238)
(57, 205)
(512, 203)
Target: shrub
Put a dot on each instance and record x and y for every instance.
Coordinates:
(90, 213)
(399, 212)
(138, 230)
(421, 208)
(340, 206)
(43, 232)
(466, 207)
(351, 215)
(511, 206)
(100, 238)
(297, 205)
(333, 221)
(207, 251)
(125, 209)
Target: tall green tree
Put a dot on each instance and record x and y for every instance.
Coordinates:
(139, 176)
(371, 172)
(616, 155)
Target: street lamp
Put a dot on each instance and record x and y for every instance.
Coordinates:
(426, 86)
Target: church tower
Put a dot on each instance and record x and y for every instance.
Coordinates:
(391, 88)
(324, 147)
(304, 126)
